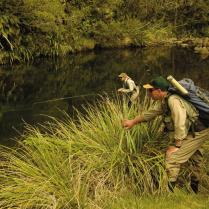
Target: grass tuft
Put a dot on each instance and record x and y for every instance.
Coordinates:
(84, 162)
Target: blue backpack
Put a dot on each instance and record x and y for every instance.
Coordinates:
(197, 96)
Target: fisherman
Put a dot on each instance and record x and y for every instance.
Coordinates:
(179, 117)
(129, 88)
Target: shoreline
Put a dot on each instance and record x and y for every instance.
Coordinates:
(198, 45)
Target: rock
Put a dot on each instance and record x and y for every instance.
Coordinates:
(204, 50)
(185, 45)
(178, 43)
(189, 42)
(204, 56)
(197, 49)
(205, 42)
(198, 42)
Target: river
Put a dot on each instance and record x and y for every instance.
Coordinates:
(29, 93)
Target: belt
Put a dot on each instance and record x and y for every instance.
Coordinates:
(197, 126)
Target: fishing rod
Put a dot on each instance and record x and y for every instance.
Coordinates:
(57, 99)
(64, 98)
(71, 97)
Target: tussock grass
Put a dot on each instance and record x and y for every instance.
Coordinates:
(84, 162)
(179, 199)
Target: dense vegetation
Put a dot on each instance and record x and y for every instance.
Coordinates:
(88, 162)
(31, 28)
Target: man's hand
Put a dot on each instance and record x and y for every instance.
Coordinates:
(120, 90)
(170, 151)
(130, 123)
(127, 124)
(178, 143)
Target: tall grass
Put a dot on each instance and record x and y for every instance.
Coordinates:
(180, 199)
(84, 162)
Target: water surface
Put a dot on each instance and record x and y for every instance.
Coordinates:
(26, 89)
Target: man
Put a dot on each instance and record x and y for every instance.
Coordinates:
(179, 118)
(129, 88)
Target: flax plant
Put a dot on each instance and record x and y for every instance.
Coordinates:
(80, 163)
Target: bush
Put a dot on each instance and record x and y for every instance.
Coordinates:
(82, 163)
(119, 33)
(156, 34)
(75, 163)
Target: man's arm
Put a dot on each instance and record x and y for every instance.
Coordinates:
(131, 86)
(144, 117)
(179, 116)
(130, 123)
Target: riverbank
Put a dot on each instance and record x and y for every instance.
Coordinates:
(31, 29)
(198, 45)
(117, 35)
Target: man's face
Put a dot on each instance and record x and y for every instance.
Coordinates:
(122, 78)
(155, 94)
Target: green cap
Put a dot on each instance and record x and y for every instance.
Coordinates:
(122, 75)
(158, 83)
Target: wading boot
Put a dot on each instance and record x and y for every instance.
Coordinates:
(194, 185)
(171, 185)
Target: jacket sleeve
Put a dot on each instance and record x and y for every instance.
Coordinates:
(131, 86)
(152, 113)
(179, 117)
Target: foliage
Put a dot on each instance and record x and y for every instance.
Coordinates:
(157, 33)
(85, 162)
(74, 163)
(180, 200)
(125, 33)
(9, 31)
(56, 28)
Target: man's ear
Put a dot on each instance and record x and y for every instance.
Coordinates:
(160, 91)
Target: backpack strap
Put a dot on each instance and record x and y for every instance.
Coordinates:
(192, 113)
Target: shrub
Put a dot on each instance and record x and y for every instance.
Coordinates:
(73, 163)
(81, 163)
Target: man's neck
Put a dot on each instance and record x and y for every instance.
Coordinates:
(164, 94)
(126, 79)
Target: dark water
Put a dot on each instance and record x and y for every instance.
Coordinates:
(25, 89)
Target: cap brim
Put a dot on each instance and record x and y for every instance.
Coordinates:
(148, 86)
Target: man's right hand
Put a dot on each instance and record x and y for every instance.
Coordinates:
(127, 124)
(130, 123)
(120, 90)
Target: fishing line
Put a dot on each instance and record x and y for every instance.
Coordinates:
(56, 99)
(63, 98)
(71, 97)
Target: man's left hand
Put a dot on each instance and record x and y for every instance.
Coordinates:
(120, 90)
(170, 151)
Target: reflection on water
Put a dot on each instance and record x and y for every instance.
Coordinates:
(25, 89)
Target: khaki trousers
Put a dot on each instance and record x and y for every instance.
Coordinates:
(190, 150)
(135, 95)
